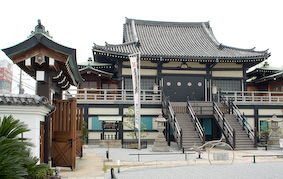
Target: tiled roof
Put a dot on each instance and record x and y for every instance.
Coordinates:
(175, 40)
(24, 100)
(40, 36)
(278, 74)
(96, 70)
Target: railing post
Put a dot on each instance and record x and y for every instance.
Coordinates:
(203, 136)
(234, 138)
(181, 139)
(255, 138)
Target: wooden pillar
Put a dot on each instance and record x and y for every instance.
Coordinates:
(159, 72)
(208, 82)
(73, 102)
(43, 89)
(244, 87)
(47, 141)
(86, 118)
(121, 129)
(119, 74)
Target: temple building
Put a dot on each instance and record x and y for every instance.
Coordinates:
(265, 78)
(183, 68)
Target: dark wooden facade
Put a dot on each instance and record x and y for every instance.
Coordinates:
(265, 78)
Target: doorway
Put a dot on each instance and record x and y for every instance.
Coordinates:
(183, 88)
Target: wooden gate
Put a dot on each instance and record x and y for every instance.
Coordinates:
(79, 132)
(67, 126)
(41, 142)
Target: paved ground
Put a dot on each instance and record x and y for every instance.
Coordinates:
(175, 165)
(243, 171)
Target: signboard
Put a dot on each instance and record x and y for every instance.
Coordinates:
(110, 125)
(110, 118)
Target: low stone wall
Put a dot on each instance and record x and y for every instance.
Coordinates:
(110, 143)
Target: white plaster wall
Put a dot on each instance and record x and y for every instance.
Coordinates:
(251, 121)
(227, 74)
(270, 112)
(247, 111)
(228, 65)
(101, 111)
(143, 63)
(94, 135)
(31, 116)
(144, 72)
(146, 111)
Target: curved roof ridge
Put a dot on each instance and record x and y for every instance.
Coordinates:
(114, 45)
(248, 49)
(165, 23)
(208, 33)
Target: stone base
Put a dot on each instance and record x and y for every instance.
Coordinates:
(221, 156)
(110, 143)
(160, 149)
(135, 146)
(160, 146)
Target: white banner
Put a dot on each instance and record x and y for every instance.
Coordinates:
(135, 78)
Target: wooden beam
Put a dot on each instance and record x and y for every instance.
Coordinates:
(39, 49)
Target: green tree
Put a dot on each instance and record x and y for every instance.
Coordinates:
(129, 122)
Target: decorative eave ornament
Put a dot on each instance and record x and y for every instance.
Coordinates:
(48, 54)
(40, 29)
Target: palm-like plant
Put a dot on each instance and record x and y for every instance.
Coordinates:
(15, 160)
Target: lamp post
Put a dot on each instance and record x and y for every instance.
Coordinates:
(160, 144)
(274, 134)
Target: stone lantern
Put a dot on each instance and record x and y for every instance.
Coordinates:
(275, 133)
(160, 144)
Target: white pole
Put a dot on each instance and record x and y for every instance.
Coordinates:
(139, 104)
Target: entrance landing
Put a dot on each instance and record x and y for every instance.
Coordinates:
(89, 166)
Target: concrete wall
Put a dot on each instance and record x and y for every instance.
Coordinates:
(30, 115)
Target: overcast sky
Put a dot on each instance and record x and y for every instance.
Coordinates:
(79, 24)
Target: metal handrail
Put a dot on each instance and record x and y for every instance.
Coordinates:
(241, 119)
(177, 130)
(253, 96)
(247, 127)
(228, 131)
(196, 122)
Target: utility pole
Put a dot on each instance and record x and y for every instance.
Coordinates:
(20, 83)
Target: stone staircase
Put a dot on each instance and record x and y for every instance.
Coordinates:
(243, 142)
(190, 135)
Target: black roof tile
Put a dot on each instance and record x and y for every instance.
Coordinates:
(191, 40)
(24, 99)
